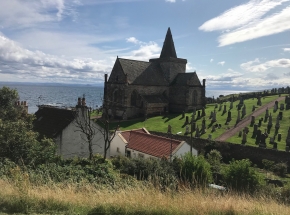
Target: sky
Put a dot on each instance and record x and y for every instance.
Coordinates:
(236, 44)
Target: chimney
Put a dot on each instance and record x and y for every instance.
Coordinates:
(24, 103)
(83, 102)
(25, 106)
(18, 102)
(203, 82)
(79, 101)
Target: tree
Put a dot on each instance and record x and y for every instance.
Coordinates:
(18, 142)
(239, 175)
(86, 126)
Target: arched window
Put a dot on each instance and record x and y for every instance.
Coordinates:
(134, 98)
(194, 97)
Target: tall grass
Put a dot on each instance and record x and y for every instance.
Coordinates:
(86, 199)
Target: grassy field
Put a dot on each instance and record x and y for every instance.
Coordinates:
(160, 123)
(283, 130)
(85, 199)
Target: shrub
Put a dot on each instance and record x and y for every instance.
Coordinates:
(214, 159)
(195, 169)
(239, 175)
(280, 169)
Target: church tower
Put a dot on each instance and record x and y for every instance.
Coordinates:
(168, 61)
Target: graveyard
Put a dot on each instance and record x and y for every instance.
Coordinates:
(218, 118)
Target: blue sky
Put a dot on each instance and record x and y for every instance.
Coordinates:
(233, 44)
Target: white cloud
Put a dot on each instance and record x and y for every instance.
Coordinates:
(256, 66)
(18, 14)
(221, 63)
(189, 68)
(133, 40)
(248, 21)
(286, 49)
(171, 1)
(26, 65)
(211, 60)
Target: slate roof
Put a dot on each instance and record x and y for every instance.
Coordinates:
(168, 49)
(155, 98)
(182, 79)
(50, 121)
(151, 144)
(142, 73)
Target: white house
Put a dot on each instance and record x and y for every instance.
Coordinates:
(61, 125)
(140, 143)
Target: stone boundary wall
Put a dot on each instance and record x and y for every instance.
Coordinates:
(231, 151)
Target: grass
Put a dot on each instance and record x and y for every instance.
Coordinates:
(86, 199)
(283, 130)
(160, 123)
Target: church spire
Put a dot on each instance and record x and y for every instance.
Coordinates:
(168, 49)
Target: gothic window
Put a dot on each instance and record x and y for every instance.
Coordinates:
(194, 97)
(134, 98)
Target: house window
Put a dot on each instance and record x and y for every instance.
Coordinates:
(118, 150)
(140, 155)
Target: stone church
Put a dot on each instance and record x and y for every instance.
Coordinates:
(139, 88)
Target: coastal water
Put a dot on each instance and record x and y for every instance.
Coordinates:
(66, 96)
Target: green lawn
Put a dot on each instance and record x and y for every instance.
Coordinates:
(284, 125)
(160, 123)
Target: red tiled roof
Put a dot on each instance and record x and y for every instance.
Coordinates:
(151, 144)
(126, 134)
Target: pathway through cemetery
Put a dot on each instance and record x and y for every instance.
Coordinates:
(246, 121)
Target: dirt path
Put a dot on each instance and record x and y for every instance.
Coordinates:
(246, 121)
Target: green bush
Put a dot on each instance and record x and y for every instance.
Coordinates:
(240, 176)
(195, 169)
(214, 158)
(280, 169)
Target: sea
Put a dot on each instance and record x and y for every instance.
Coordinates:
(67, 96)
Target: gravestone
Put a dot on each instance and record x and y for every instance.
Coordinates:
(169, 129)
(203, 112)
(252, 120)
(225, 109)
(211, 114)
(279, 137)
(231, 105)
(229, 118)
(281, 106)
(287, 148)
(197, 132)
(258, 136)
(255, 130)
(238, 117)
(280, 115)
(266, 114)
(213, 117)
(213, 129)
(260, 122)
(287, 101)
(244, 111)
(277, 125)
(216, 105)
(253, 108)
(244, 139)
(198, 114)
(183, 115)
(186, 129)
(193, 125)
(270, 119)
(288, 138)
(263, 141)
(259, 102)
(220, 107)
(240, 133)
(186, 120)
(271, 140)
(275, 146)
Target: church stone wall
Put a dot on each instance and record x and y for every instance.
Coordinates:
(171, 69)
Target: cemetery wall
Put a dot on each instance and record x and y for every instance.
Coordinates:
(231, 151)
